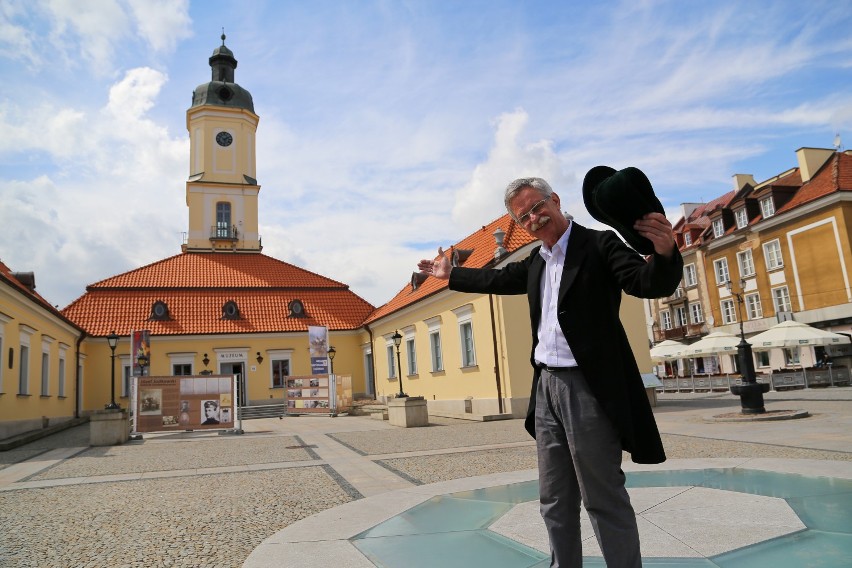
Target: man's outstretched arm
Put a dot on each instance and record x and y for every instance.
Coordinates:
(440, 267)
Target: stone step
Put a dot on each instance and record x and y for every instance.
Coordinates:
(473, 417)
(264, 411)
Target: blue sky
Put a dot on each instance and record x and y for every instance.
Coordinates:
(386, 127)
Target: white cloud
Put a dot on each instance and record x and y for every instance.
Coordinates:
(481, 199)
(115, 201)
(90, 34)
(135, 94)
(163, 23)
(16, 41)
(93, 27)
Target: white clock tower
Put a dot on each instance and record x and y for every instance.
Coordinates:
(222, 188)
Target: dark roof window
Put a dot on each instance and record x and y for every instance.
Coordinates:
(296, 309)
(230, 311)
(159, 311)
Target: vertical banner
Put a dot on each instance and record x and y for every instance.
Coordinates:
(140, 351)
(318, 341)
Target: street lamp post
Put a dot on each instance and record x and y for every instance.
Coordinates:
(397, 339)
(112, 341)
(750, 391)
(331, 353)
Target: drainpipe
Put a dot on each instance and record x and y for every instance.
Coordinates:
(496, 356)
(77, 400)
(372, 359)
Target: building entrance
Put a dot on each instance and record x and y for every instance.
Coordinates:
(237, 369)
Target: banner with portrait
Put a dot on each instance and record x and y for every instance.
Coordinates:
(318, 344)
(140, 351)
(184, 403)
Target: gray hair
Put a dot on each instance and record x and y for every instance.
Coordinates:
(516, 186)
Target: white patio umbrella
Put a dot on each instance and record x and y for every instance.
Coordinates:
(716, 342)
(667, 350)
(794, 334)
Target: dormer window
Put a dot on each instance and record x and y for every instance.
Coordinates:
(159, 311)
(687, 239)
(742, 217)
(417, 278)
(296, 309)
(767, 207)
(230, 311)
(718, 228)
(460, 255)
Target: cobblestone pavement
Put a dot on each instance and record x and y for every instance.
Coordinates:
(193, 521)
(167, 502)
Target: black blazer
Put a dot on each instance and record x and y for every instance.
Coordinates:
(598, 266)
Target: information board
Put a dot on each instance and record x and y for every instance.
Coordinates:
(184, 403)
(308, 394)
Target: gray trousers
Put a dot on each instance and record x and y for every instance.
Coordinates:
(579, 460)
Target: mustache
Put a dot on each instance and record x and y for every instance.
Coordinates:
(540, 223)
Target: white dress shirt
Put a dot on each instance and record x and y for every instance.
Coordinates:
(552, 349)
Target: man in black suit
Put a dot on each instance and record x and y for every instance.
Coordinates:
(588, 401)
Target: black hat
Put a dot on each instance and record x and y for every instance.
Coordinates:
(618, 199)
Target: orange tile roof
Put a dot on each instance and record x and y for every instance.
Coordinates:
(31, 295)
(834, 175)
(195, 286)
(218, 270)
(481, 243)
(699, 218)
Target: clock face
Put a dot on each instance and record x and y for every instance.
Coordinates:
(224, 139)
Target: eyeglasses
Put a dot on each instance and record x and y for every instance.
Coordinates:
(523, 219)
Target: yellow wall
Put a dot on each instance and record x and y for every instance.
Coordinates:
(447, 390)
(166, 350)
(22, 321)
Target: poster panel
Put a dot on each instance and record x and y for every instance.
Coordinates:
(308, 394)
(185, 403)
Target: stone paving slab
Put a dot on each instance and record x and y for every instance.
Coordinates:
(670, 518)
(261, 493)
(145, 457)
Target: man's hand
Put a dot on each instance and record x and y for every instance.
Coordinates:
(656, 228)
(439, 268)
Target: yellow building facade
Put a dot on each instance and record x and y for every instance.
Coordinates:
(770, 252)
(469, 354)
(40, 364)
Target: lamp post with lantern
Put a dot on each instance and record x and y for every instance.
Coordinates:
(749, 391)
(397, 340)
(112, 341)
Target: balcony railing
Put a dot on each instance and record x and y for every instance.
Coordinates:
(223, 232)
(679, 294)
(680, 332)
